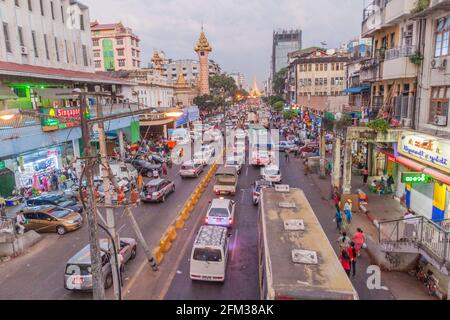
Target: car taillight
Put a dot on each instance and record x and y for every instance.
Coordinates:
(230, 221)
(206, 220)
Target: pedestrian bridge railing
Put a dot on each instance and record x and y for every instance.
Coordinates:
(420, 233)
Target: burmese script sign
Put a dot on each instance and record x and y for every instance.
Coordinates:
(429, 150)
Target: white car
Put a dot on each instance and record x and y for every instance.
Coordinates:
(208, 149)
(271, 173)
(236, 162)
(202, 157)
(221, 213)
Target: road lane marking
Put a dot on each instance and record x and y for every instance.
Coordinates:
(243, 194)
(121, 228)
(234, 244)
(246, 171)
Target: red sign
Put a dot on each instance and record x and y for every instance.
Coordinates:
(391, 158)
(67, 113)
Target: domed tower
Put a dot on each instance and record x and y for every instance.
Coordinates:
(203, 49)
(157, 63)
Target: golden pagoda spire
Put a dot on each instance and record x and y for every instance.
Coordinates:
(202, 44)
(181, 81)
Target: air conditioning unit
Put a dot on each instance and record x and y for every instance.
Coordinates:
(23, 50)
(440, 120)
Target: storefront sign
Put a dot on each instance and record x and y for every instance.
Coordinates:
(416, 177)
(432, 151)
(71, 118)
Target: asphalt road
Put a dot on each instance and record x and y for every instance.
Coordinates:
(39, 274)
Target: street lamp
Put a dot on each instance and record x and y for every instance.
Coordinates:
(7, 114)
(173, 112)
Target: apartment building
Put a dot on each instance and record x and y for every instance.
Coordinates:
(46, 33)
(316, 78)
(189, 68)
(115, 47)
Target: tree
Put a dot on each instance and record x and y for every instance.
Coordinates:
(289, 114)
(274, 99)
(278, 106)
(222, 84)
(279, 81)
(205, 103)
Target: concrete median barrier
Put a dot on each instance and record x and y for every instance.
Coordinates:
(165, 243)
(172, 233)
(159, 256)
(179, 223)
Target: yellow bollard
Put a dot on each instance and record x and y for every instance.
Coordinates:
(158, 255)
(172, 233)
(165, 243)
(185, 215)
(179, 223)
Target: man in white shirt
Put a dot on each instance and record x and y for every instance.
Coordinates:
(409, 225)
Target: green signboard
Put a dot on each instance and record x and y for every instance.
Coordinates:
(2, 165)
(108, 54)
(416, 177)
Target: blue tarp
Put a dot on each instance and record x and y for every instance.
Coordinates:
(356, 90)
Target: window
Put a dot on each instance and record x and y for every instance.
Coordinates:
(120, 52)
(56, 49)
(321, 67)
(96, 54)
(138, 64)
(95, 43)
(67, 51)
(19, 30)
(132, 41)
(46, 47)
(392, 40)
(317, 67)
(309, 67)
(7, 41)
(62, 14)
(52, 10)
(332, 67)
(75, 53)
(332, 81)
(137, 54)
(325, 67)
(134, 63)
(120, 42)
(440, 97)
(85, 57)
(33, 37)
(442, 37)
(42, 7)
(81, 22)
(98, 64)
(133, 52)
(325, 81)
(29, 5)
(121, 62)
(316, 82)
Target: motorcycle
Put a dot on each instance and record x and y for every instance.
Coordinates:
(431, 283)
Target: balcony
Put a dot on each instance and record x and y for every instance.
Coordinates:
(403, 110)
(373, 19)
(398, 9)
(370, 70)
(397, 64)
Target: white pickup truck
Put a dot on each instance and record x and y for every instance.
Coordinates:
(226, 179)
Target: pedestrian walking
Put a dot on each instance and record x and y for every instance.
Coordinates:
(120, 196)
(338, 219)
(345, 262)
(20, 222)
(286, 156)
(359, 238)
(352, 253)
(63, 181)
(134, 197)
(365, 174)
(306, 168)
(164, 168)
(343, 241)
(348, 211)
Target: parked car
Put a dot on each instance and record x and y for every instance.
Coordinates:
(221, 213)
(191, 169)
(271, 173)
(309, 148)
(78, 272)
(160, 159)
(48, 218)
(157, 190)
(286, 146)
(145, 168)
(257, 186)
(236, 162)
(55, 199)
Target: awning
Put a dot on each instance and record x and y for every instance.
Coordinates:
(436, 174)
(156, 122)
(356, 90)
(7, 93)
(56, 93)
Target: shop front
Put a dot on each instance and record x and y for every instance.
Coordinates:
(427, 178)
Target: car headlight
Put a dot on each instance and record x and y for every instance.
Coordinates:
(71, 221)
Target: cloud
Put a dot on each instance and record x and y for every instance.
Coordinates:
(240, 32)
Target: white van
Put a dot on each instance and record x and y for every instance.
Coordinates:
(209, 254)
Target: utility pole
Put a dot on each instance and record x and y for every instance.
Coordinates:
(322, 152)
(110, 220)
(91, 210)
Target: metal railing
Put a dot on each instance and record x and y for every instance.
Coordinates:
(400, 52)
(420, 232)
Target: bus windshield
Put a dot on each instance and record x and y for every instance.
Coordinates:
(206, 254)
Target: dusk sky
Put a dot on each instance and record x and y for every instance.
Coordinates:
(240, 32)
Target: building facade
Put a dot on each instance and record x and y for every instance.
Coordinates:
(189, 68)
(316, 79)
(284, 42)
(46, 33)
(115, 47)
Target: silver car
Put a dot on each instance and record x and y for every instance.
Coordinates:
(157, 190)
(191, 169)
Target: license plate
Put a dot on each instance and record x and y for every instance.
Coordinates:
(206, 277)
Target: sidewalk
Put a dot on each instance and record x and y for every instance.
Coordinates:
(379, 208)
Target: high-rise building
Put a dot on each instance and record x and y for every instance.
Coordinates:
(203, 49)
(115, 47)
(284, 42)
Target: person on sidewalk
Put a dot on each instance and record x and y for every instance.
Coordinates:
(20, 222)
(352, 253)
(140, 181)
(134, 197)
(359, 238)
(345, 261)
(365, 174)
(286, 156)
(348, 211)
(338, 219)
(2, 208)
(409, 225)
(164, 168)
(343, 241)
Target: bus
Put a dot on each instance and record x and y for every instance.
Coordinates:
(296, 260)
(261, 146)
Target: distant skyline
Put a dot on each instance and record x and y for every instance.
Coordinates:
(239, 32)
